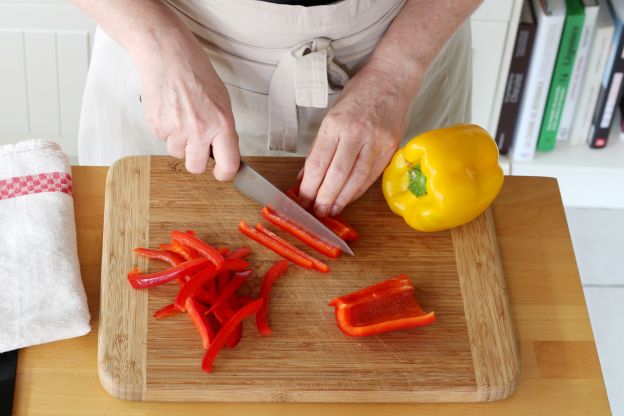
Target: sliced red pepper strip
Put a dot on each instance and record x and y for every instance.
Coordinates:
(182, 249)
(386, 306)
(195, 312)
(166, 311)
(142, 281)
(226, 332)
(337, 224)
(225, 294)
(340, 227)
(225, 310)
(235, 264)
(204, 249)
(274, 245)
(240, 252)
(300, 233)
(224, 251)
(194, 285)
(277, 270)
(167, 256)
(315, 262)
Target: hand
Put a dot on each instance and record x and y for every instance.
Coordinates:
(187, 105)
(355, 142)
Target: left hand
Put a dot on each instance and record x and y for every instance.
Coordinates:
(355, 141)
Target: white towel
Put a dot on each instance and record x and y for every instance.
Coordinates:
(41, 294)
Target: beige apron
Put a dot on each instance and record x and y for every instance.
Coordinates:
(283, 67)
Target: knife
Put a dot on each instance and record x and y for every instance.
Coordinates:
(257, 187)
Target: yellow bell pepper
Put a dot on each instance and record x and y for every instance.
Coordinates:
(443, 178)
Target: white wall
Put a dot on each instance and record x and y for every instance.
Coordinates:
(44, 55)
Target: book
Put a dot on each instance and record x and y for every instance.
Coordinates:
(550, 16)
(516, 79)
(596, 64)
(611, 87)
(592, 8)
(564, 64)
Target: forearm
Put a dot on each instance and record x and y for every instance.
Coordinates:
(415, 37)
(141, 26)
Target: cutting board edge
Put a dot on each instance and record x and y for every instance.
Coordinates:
(493, 343)
(126, 377)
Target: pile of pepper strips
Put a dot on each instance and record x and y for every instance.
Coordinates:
(209, 278)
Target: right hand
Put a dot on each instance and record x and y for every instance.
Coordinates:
(187, 105)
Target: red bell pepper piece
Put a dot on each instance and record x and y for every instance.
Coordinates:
(195, 312)
(340, 227)
(238, 279)
(386, 306)
(166, 311)
(224, 251)
(274, 245)
(204, 249)
(240, 253)
(300, 233)
(336, 223)
(142, 281)
(235, 264)
(226, 332)
(192, 287)
(315, 262)
(167, 256)
(277, 270)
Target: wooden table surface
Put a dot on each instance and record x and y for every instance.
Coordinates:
(560, 373)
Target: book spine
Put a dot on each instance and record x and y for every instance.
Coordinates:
(560, 81)
(540, 71)
(610, 94)
(578, 74)
(591, 84)
(514, 89)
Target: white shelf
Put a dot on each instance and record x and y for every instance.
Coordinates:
(592, 178)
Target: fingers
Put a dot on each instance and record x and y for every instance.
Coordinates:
(227, 156)
(176, 146)
(359, 178)
(316, 166)
(338, 174)
(197, 152)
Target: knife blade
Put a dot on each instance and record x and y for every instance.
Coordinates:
(257, 187)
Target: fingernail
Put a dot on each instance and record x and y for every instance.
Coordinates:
(321, 210)
(335, 210)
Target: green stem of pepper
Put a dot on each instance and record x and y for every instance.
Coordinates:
(417, 181)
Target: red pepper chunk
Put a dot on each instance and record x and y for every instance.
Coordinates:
(167, 256)
(143, 281)
(274, 246)
(166, 312)
(384, 307)
(240, 253)
(226, 332)
(300, 233)
(204, 249)
(277, 270)
(195, 312)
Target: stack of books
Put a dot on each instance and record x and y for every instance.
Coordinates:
(566, 77)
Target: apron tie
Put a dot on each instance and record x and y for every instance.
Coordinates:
(304, 77)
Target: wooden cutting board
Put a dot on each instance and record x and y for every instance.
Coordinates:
(469, 354)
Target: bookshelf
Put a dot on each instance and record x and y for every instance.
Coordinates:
(592, 178)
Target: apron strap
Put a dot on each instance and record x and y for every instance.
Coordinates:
(304, 77)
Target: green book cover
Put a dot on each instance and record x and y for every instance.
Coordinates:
(564, 65)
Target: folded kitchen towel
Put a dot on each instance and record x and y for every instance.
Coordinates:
(41, 294)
